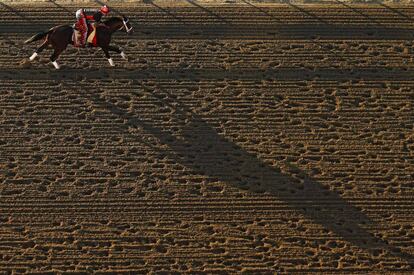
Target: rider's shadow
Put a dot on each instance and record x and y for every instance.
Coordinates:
(206, 152)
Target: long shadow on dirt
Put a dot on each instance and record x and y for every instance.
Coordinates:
(208, 11)
(66, 10)
(16, 12)
(309, 14)
(165, 10)
(262, 10)
(357, 11)
(396, 11)
(206, 152)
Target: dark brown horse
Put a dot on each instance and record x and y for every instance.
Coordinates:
(60, 37)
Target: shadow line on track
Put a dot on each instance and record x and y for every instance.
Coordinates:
(208, 11)
(395, 11)
(357, 11)
(165, 11)
(16, 12)
(303, 10)
(208, 153)
(262, 10)
(71, 13)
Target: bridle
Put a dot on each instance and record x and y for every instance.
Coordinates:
(125, 25)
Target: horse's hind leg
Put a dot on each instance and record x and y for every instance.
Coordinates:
(55, 56)
(118, 50)
(39, 50)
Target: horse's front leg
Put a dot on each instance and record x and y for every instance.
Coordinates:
(118, 50)
(106, 51)
(55, 56)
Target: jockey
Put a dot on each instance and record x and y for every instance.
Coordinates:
(84, 16)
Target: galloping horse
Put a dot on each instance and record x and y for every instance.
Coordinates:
(61, 36)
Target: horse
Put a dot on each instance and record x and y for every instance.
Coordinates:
(60, 37)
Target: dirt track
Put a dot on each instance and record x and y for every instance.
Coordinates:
(244, 138)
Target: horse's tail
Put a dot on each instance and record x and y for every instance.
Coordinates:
(37, 36)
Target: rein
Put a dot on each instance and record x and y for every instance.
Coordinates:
(126, 26)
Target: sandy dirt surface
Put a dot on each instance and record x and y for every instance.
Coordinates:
(236, 139)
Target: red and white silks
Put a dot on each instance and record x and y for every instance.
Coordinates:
(82, 27)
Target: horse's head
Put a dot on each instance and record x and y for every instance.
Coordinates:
(127, 25)
(119, 23)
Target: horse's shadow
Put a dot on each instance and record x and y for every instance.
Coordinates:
(206, 152)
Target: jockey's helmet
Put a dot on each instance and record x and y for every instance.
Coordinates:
(79, 14)
(105, 10)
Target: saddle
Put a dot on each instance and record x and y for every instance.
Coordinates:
(91, 39)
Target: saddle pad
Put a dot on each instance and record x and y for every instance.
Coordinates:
(91, 39)
(92, 36)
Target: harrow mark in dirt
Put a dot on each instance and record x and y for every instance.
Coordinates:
(237, 138)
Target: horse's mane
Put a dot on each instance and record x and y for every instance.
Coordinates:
(112, 20)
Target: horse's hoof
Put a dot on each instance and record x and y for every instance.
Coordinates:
(34, 55)
(56, 65)
(124, 56)
(111, 62)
